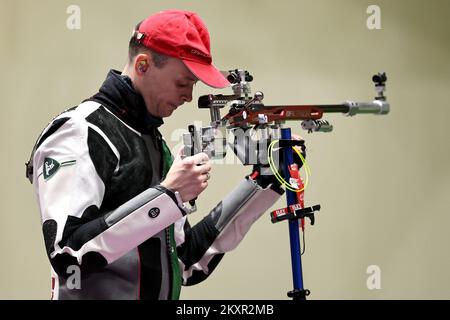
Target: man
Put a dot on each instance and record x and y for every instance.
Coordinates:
(110, 198)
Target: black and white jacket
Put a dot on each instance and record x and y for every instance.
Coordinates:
(96, 170)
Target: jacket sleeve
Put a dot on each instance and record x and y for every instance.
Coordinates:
(70, 191)
(201, 247)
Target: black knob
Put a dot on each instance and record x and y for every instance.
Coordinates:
(379, 78)
(248, 77)
(233, 76)
(205, 101)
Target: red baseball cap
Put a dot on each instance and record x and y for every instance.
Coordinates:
(183, 35)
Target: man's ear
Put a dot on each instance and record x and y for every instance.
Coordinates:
(142, 63)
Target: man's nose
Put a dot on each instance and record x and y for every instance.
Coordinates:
(187, 97)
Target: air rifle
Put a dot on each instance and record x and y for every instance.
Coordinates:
(265, 121)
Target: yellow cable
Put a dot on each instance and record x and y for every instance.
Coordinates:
(278, 176)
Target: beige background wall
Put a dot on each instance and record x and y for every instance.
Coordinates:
(383, 182)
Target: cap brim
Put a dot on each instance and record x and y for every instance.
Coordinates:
(208, 74)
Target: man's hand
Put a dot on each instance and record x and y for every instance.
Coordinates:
(188, 176)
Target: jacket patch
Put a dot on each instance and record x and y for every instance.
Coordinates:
(153, 212)
(51, 166)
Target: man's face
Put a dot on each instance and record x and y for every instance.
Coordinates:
(165, 89)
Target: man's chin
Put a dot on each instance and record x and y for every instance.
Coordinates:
(168, 113)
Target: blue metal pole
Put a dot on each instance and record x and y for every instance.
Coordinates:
(294, 234)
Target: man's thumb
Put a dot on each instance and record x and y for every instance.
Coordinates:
(179, 155)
